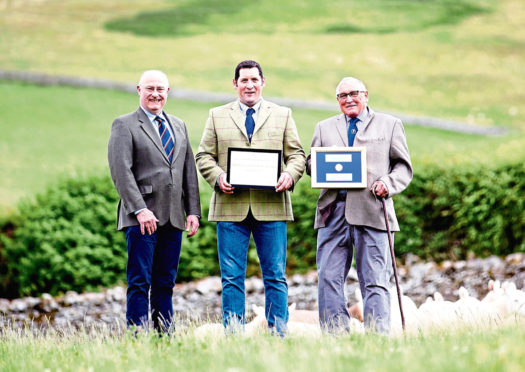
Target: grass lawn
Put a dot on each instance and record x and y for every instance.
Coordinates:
(494, 350)
(55, 131)
(460, 60)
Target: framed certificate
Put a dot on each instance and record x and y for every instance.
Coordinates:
(338, 167)
(253, 168)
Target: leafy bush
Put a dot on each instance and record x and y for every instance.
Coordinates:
(66, 238)
(461, 211)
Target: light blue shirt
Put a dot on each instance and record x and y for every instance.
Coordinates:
(256, 107)
(152, 117)
(362, 117)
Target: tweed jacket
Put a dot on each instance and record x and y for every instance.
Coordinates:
(274, 129)
(387, 159)
(143, 175)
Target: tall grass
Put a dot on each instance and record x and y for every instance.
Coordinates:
(101, 349)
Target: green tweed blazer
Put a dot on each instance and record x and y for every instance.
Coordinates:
(275, 129)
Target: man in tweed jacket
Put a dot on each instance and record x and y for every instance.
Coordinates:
(354, 218)
(242, 212)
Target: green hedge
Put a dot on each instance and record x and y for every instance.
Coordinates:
(66, 238)
(443, 214)
(451, 214)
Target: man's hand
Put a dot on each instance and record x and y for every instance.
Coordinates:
(379, 188)
(225, 186)
(148, 221)
(284, 182)
(192, 225)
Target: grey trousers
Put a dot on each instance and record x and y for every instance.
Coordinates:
(335, 244)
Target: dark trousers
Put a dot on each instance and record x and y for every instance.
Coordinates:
(153, 261)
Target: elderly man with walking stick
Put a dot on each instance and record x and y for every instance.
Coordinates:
(349, 219)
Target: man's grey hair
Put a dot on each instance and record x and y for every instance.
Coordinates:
(348, 79)
(153, 72)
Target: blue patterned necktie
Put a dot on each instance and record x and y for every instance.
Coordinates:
(165, 138)
(249, 123)
(352, 131)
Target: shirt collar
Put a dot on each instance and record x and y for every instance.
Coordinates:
(362, 116)
(255, 107)
(151, 116)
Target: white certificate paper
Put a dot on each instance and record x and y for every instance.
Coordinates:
(253, 168)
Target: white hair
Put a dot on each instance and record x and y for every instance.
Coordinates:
(348, 79)
(153, 72)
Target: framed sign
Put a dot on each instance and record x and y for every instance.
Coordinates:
(253, 168)
(338, 167)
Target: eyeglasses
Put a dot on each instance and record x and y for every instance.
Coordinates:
(352, 94)
(151, 89)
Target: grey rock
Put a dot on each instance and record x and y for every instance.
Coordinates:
(254, 284)
(116, 294)
(495, 264)
(208, 285)
(71, 298)
(4, 306)
(18, 305)
(311, 277)
(421, 270)
(47, 304)
(515, 258)
(296, 280)
(93, 298)
(411, 259)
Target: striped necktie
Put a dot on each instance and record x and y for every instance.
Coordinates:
(165, 138)
(352, 131)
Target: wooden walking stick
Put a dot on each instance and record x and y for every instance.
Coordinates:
(394, 265)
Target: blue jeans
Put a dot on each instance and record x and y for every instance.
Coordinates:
(233, 239)
(153, 261)
(335, 243)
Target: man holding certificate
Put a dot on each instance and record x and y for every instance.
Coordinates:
(251, 156)
(353, 218)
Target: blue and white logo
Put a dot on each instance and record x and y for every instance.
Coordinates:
(339, 167)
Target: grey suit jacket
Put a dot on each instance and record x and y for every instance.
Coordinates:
(387, 159)
(143, 176)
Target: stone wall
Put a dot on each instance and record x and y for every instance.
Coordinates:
(201, 300)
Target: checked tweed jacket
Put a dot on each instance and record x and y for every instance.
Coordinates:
(274, 129)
